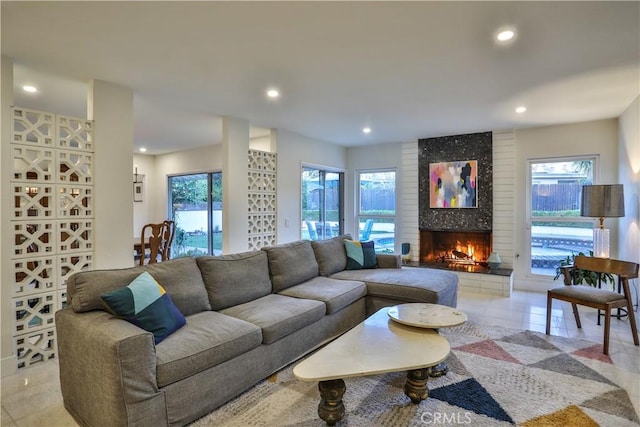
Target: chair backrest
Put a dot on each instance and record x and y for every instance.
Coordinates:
(172, 233)
(624, 269)
(366, 232)
(155, 237)
(312, 231)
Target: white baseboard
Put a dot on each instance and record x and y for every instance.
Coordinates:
(8, 366)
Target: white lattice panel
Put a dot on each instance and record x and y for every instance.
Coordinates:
(34, 312)
(75, 201)
(255, 160)
(269, 182)
(268, 223)
(75, 236)
(255, 224)
(269, 203)
(33, 164)
(33, 275)
(255, 243)
(33, 128)
(33, 238)
(75, 167)
(72, 263)
(61, 301)
(32, 201)
(254, 181)
(269, 240)
(35, 347)
(261, 181)
(255, 203)
(269, 162)
(75, 134)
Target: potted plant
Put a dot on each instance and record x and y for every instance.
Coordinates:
(591, 278)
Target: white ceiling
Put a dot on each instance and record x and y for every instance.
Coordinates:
(408, 70)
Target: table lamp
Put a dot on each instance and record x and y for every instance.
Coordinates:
(602, 201)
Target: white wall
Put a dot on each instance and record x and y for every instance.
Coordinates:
(629, 175)
(293, 151)
(144, 212)
(587, 138)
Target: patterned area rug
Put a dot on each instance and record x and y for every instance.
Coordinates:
(497, 377)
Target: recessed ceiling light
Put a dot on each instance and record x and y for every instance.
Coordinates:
(521, 109)
(505, 35)
(143, 150)
(273, 93)
(366, 130)
(29, 88)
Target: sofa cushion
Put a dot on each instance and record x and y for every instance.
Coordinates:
(235, 279)
(278, 315)
(146, 304)
(291, 263)
(336, 294)
(407, 284)
(208, 339)
(330, 254)
(360, 254)
(180, 277)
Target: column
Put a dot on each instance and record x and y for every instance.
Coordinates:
(110, 106)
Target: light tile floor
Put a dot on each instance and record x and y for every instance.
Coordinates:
(31, 398)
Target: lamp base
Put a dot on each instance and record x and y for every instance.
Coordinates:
(601, 242)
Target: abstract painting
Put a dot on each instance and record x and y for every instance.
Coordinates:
(453, 184)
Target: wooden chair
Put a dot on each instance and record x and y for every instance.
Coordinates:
(155, 238)
(172, 233)
(601, 299)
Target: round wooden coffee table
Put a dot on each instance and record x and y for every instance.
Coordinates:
(430, 316)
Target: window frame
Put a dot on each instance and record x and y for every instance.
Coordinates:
(530, 219)
(360, 217)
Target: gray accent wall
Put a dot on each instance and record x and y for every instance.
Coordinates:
(475, 146)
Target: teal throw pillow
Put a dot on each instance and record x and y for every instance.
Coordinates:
(360, 255)
(147, 305)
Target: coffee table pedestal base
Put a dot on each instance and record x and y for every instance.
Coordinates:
(416, 386)
(331, 408)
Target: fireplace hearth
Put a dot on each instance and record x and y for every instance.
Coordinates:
(455, 250)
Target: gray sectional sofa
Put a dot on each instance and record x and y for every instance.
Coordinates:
(248, 315)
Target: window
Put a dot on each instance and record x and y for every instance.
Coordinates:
(322, 194)
(377, 208)
(195, 203)
(556, 228)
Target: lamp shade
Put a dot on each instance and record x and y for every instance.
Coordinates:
(602, 201)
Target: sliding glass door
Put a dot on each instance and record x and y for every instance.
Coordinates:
(195, 204)
(322, 195)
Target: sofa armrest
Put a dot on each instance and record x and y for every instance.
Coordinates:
(108, 370)
(389, 261)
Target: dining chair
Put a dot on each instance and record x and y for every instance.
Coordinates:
(172, 232)
(601, 299)
(155, 238)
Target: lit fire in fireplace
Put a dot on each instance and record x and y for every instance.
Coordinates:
(462, 254)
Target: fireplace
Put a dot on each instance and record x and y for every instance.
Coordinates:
(456, 250)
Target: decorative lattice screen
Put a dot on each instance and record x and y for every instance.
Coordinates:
(262, 199)
(51, 222)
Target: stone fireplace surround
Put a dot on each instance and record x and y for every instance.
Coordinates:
(474, 223)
